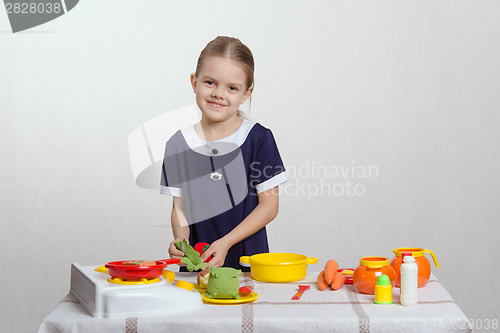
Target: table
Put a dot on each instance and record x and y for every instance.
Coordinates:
(343, 310)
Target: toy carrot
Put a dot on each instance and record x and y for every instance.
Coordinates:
(331, 268)
(322, 284)
(338, 281)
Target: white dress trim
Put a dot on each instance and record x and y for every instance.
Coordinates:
(169, 190)
(279, 179)
(223, 146)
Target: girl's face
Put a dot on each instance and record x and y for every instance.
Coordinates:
(220, 88)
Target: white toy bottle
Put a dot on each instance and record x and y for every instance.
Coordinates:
(409, 281)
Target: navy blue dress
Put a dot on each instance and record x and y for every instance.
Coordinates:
(220, 180)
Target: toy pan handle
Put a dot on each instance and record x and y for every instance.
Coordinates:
(245, 261)
(311, 260)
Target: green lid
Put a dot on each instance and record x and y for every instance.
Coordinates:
(383, 280)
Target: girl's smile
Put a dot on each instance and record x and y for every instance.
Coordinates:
(215, 105)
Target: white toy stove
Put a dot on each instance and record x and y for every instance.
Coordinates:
(104, 299)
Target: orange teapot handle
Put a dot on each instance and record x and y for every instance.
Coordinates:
(433, 257)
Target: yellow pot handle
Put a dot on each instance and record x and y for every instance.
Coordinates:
(245, 261)
(101, 269)
(433, 257)
(311, 260)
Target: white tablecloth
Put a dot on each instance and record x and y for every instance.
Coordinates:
(344, 310)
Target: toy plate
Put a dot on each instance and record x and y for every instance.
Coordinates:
(243, 299)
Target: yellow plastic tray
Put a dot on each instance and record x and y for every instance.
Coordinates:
(243, 299)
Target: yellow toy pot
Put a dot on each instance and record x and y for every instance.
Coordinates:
(278, 267)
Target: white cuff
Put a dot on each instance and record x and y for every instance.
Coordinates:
(169, 190)
(279, 179)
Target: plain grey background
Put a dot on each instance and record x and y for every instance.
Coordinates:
(408, 88)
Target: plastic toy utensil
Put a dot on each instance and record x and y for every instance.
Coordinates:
(298, 295)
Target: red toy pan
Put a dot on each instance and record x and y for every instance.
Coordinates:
(118, 270)
(348, 272)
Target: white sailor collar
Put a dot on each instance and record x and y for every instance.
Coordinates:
(218, 147)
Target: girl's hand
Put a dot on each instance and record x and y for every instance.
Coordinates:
(218, 249)
(174, 251)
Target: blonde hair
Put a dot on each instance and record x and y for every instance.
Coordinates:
(234, 49)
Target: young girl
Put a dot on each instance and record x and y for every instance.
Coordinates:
(223, 173)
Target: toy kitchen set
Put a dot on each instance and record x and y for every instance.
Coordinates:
(139, 287)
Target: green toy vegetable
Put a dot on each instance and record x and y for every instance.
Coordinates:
(223, 282)
(191, 256)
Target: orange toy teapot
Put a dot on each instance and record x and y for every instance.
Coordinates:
(424, 267)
